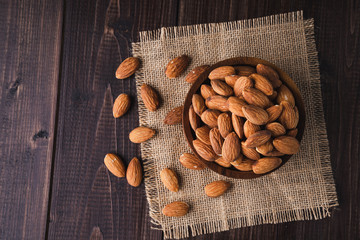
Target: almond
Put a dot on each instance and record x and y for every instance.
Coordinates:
(266, 164)
(150, 97)
(202, 133)
(216, 189)
(276, 129)
(250, 128)
(273, 96)
(141, 134)
(242, 83)
(216, 140)
(195, 73)
(176, 209)
(218, 103)
(177, 66)
(292, 132)
(244, 70)
(121, 105)
(230, 80)
(255, 97)
(262, 83)
(265, 148)
(270, 74)
(221, 72)
(274, 153)
(288, 118)
(244, 165)
(210, 117)
(205, 151)
(274, 112)
(231, 147)
(207, 91)
(286, 144)
(249, 152)
(255, 115)
(134, 173)
(115, 165)
(258, 138)
(169, 179)
(198, 104)
(284, 94)
(194, 119)
(174, 116)
(224, 124)
(221, 88)
(238, 125)
(127, 68)
(190, 161)
(223, 163)
(235, 106)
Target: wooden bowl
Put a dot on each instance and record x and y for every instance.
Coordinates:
(195, 88)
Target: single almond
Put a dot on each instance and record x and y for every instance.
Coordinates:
(221, 72)
(134, 173)
(266, 164)
(169, 179)
(255, 97)
(210, 116)
(288, 118)
(286, 144)
(194, 119)
(195, 73)
(274, 112)
(221, 88)
(276, 129)
(150, 97)
(223, 163)
(121, 105)
(176, 209)
(231, 79)
(235, 105)
(244, 70)
(284, 94)
(274, 153)
(238, 125)
(255, 115)
(250, 153)
(190, 161)
(216, 140)
(177, 66)
(141, 134)
(265, 148)
(207, 91)
(258, 138)
(202, 133)
(292, 132)
(205, 151)
(174, 116)
(115, 165)
(231, 147)
(198, 104)
(217, 102)
(244, 165)
(127, 68)
(262, 83)
(224, 124)
(250, 128)
(242, 83)
(270, 74)
(217, 188)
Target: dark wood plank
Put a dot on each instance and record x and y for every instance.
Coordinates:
(30, 45)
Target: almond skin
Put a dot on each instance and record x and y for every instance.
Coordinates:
(274, 153)
(150, 97)
(121, 105)
(250, 153)
(255, 97)
(134, 173)
(244, 70)
(216, 140)
(177, 66)
(274, 112)
(221, 88)
(176, 209)
(276, 129)
(169, 179)
(115, 165)
(238, 125)
(141, 134)
(190, 161)
(230, 80)
(127, 68)
(174, 116)
(194, 119)
(218, 103)
(235, 105)
(262, 83)
(224, 124)
(242, 83)
(202, 133)
(284, 94)
(209, 117)
(292, 132)
(195, 73)
(255, 115)
(270, 74)
(266, 164)
(258, 139)
(231, 147)
(286, 144)
(223, 163)
(265, 148)
(206, 91)
(205, 151)
(250, 128)
(244, 165)
(288, 118)
(198, 104)
(221, 72)
(217, 188)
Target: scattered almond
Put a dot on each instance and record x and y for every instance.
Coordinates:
(121, 105)
(176, 209)
(115, 165)
(127, 68)
(195, 73)
(134, 173)
(149, 97)
(177, 66)
(221, 72)
(141, 134)
(169, 179)
(266, 164)
(217, 188)
(174, 116)
(190, 161)
(205, 151)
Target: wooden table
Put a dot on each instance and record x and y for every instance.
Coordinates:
(57, 63)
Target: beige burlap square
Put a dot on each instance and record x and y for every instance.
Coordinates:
(302, 189)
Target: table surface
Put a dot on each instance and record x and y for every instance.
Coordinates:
(57, 64)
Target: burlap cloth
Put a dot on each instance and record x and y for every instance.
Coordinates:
(302, 189)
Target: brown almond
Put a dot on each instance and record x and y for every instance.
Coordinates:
(230, 80)
(207, 91)
(292, 132)
(274, 153)
(266, 164)
(198, 104)
(231, 147)
(221, 88)
(190, 161)
(250, 153)
(218, 103)
(250, 128)
(270, 74)
(286, 144)
(238, 125)
(255, 97)
(134, 173)
(242, 83)
(121, 105)
(276, 129)
(258, 138)
(274, 112)
(141, 134)
(205, 151)
(216, 140)
(244, 165)
(288, 118)
(209, 117)
(150, 97)
(262, 83)
(174, 116)
(176, 209)
(223, 163)
(169, 179)
(273, 96)
(221, 72)
(127, 68)
(255, 115)
(224, 124)
(284, 94)
(177, 66)
(194, 119)
(235, 105)
(216, 189)
(115, 165)
(202, 133)
(265, 148)
(195, 73)
(244, 70)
